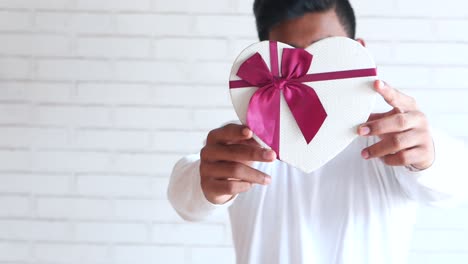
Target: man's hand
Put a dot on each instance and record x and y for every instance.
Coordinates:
(225, 163)
(406, 139)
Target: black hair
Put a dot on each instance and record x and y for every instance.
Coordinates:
(269, 13)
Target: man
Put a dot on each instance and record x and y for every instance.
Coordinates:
(358, 208)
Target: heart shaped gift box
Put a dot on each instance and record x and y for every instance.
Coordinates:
(305, 104)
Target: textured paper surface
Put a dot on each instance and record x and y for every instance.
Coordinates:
(348, 102)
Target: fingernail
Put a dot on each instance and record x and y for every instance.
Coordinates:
(246, 132)
(381, 84)
(269, 154)
(364, 131)
(267, 180)
(365, 154)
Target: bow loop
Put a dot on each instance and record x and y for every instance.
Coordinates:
(295, 63)
(255, 71)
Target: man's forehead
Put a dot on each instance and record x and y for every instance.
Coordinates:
(303, 31)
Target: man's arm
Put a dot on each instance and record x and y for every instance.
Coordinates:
(199, 186)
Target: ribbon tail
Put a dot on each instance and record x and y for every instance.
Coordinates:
(263, 116)
(307, 109)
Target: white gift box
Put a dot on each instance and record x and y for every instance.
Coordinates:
(287, 117)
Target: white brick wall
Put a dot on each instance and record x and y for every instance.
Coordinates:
(99, 98)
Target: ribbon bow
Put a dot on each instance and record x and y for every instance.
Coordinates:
(263, 115)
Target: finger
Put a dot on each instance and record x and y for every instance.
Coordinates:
(228, 134)
(236, 152)
(391, 124)
(392, 144)
(375, 116)
(224, 187)
(233, 171)
(250, 142)
(405, 157)
(394, 97)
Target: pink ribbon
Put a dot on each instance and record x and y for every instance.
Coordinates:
(263, 115)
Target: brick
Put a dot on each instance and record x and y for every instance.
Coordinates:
(15, 160)
(110, 139)
(371, 8)
(213, 118)
(52, 4)
(159, 186)
(111, 232)
(179, 141)
(113, 47)
(15, 3)
(34, 230)
(201, 255)
(113, 93)
(454, 123)
(14, 113)
(211, 6)
(407, 76)
(210, 73)
(441, 100)
(14, 251)
(13, 68)
(192, 95)
(76, 253)
(70, 161)
(74, 69)
(151, 210)
(440, 240)
(441, 54)
(33, 137)
(395, 28)
(36, 183)
(444, 77)
(159, 164)
(43, 4)
(74, 208)
(113, 185)
(173, 6)
(183, 48)
(431, 8)
(14, 206)
(37, 92)
(204, 6)
(49, 92)
(381, 51)
(152, 71)
(146, 117)
(149, 254)
(237, 45)
(12, 91)
(235, 26)
(105, 5)
(189, 234)
(64, 22)
(244, 7)
(12, 21)
(147, 24)
(72, 115)
(29, 44)
(449, 30)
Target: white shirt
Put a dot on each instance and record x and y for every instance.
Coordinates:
(350, 210)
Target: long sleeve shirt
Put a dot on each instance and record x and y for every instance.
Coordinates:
(351, 210)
